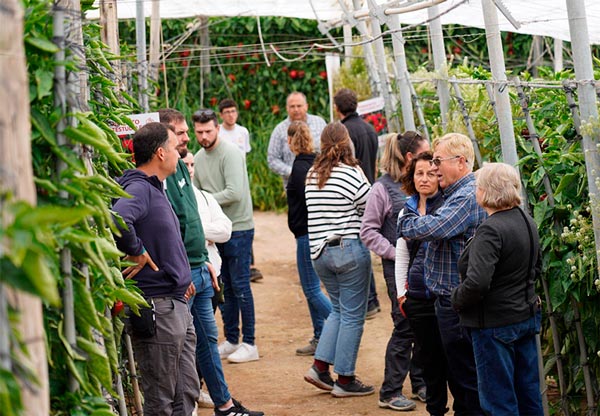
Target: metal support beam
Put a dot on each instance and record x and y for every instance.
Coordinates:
(439, 62)
(402, 77)
(590, 130)
(494, 43)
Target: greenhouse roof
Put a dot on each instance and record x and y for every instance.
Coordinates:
(534, 17)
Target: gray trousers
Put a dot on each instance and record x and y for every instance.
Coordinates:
(167, 361)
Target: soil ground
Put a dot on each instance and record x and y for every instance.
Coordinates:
(275, 384)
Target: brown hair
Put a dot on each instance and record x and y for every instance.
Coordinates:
(396, 148)
(408, 180)
(301, 140)
(336, 148)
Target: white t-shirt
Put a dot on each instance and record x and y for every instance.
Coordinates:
(238, 135)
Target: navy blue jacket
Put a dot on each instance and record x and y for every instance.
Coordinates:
(152, 225)
(416, 274)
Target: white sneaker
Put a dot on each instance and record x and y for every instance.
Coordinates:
(244, 353)
(226, 348)
(205, 401)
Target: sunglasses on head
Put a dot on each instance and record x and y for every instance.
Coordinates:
(205, 113)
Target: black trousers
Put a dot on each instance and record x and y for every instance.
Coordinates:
(402, 355)
(423, 322)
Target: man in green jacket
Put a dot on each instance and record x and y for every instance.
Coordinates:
(183, 200)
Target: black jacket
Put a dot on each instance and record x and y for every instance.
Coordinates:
(297, 212)
(364, 138)
(497, 287)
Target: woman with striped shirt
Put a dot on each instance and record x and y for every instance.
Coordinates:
(336, 195)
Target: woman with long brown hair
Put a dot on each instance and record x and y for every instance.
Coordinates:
(378, 232)
(336, 196)
(301, 144)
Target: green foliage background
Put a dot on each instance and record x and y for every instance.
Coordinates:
(81, 221)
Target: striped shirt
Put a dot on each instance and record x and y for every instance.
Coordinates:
(336, 209)
(447, 230)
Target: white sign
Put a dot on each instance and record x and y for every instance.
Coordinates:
(139, 120)
(370, 106)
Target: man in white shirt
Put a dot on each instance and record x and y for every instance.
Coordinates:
(230, 130)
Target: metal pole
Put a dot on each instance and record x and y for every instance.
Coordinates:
(590, 131)
(347, 42)
(137, 396)
(402, 77)
(558, 55)
(494, 44)
(533, 138)
(60, 87)
(439, 62)
(420, 115)
(467, 120)
(142, 61)
(361, 25)
(155, 40)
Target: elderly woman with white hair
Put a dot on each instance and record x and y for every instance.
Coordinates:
(496, 298)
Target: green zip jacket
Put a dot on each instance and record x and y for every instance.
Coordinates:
(183, 200)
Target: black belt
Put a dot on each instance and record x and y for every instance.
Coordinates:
(334, 243)
(337, 240)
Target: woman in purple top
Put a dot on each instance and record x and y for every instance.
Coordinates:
(301, 144)
(378, 232)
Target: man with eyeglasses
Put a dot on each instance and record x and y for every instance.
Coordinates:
(230, 130)
(279, 155)
(221, 171)
(448, 231)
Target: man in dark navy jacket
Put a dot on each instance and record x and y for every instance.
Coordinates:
(152, 240)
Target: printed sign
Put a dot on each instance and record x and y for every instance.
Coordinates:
(139, 120)
(370, 106)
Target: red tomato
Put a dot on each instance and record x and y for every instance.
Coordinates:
(293, 74)
(247, 104)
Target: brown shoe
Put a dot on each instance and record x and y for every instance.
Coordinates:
(255, 274)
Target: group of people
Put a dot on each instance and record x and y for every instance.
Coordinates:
(189, 222)
(459, 256)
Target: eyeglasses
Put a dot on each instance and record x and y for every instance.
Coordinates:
(438, 161)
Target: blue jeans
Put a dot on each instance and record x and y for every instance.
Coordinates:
(235, 272)
(319, 305)
(462, 374)
(507, 369)
(208, 362)
(344, 270)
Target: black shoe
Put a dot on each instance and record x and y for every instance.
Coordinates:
(354, 388)
(237, 410)
(255, 274)
(319, 379)
(373, 310)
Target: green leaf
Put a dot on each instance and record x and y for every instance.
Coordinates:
(42, 44)
(36, 269)
(45, 81)
(51, 215)
(85, 305)
(565, 181)
(97, 362)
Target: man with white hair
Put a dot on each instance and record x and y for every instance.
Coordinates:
(448, 231)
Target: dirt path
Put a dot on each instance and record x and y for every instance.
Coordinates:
(275, 384)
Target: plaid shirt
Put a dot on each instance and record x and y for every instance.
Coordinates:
(448, 231)
(279, 155)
